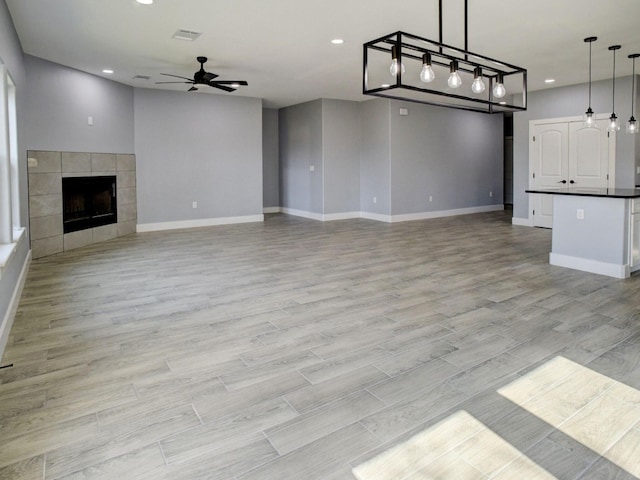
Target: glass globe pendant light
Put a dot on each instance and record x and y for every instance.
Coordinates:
(396, 66)
(454, 80)
(427, 74)
(632, 124)
(589, 116)
(614, 124)
(478, 85)
(498, 90)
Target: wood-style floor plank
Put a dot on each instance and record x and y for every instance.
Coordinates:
(302, 349)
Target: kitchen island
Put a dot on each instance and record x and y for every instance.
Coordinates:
(595, 230)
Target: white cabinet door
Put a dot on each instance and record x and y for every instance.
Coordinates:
(551, 167)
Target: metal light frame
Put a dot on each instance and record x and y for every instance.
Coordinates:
(412, 47)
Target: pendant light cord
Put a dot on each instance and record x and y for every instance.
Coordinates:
(613, 102)
(633, 85)
(590, 43)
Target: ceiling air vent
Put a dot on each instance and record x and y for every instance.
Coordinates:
(142, 77)
(187, 35)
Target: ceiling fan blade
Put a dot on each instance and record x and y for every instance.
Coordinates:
(158, 83)
(192, 89)
(177, 76)
(230, 82)
(221, 87)
(207, 77)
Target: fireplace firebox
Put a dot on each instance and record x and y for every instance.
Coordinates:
(88, 202)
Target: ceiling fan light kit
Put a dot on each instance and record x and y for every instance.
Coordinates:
(431, 72)
(202, 77)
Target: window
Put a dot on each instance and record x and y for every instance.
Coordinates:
(10, 227)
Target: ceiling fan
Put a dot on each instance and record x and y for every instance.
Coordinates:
(206, 78)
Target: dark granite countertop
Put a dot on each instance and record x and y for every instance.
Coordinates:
(590, 192)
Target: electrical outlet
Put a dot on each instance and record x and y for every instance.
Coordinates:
(312, 168)
(375, 200)
(638, 170)
(194, 204)
(431, 198)
(491, 194)
(90, 121)
(580, 214)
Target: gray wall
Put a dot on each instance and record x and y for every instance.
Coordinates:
(341, 156)
(453, 155)
(375, 173)
(270, 159)
(604, 224)
(11, 56)
(197, 147)
(60, 101)
(300, 131)
(572, 101)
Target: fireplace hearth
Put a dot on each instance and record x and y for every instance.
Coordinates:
(88, 202)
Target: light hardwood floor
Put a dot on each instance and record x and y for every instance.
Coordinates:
(295, 349)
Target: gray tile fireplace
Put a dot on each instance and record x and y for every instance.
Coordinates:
(46, 211)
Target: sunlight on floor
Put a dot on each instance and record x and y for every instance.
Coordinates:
(459, 447)
(593, 409)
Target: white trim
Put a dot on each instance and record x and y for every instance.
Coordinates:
(7, 322)
(329, 217)
(379, 217)
(204, 222)
(408, 217)
(301, 213)
(523, 222)
(592, 266)
(8, 249)
(271, 210)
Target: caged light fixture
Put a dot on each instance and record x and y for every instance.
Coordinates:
(589, 116)
(632, 124)
(432, 72)
(614, 124)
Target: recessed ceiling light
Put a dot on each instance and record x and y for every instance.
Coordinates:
(502, 103)
(549, 80)
(107, 70)
(145, 2)
(235, 85)
(385, 85)
(337, 41)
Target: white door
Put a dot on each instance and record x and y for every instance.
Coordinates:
(567, 154)
(550, 169)
(589, 155)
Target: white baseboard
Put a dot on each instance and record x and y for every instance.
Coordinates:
(523, 222)
(390, 218)
(7, 321)
(271, 210)
(591, 266)
(379, 217)
(204, 222)
(301, 213)
(409, 217)
(329, 217)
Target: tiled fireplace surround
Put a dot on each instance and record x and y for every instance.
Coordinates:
(46, 170)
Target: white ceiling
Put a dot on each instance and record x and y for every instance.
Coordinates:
(282, 47)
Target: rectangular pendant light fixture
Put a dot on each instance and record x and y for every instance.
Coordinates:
(407, 67)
